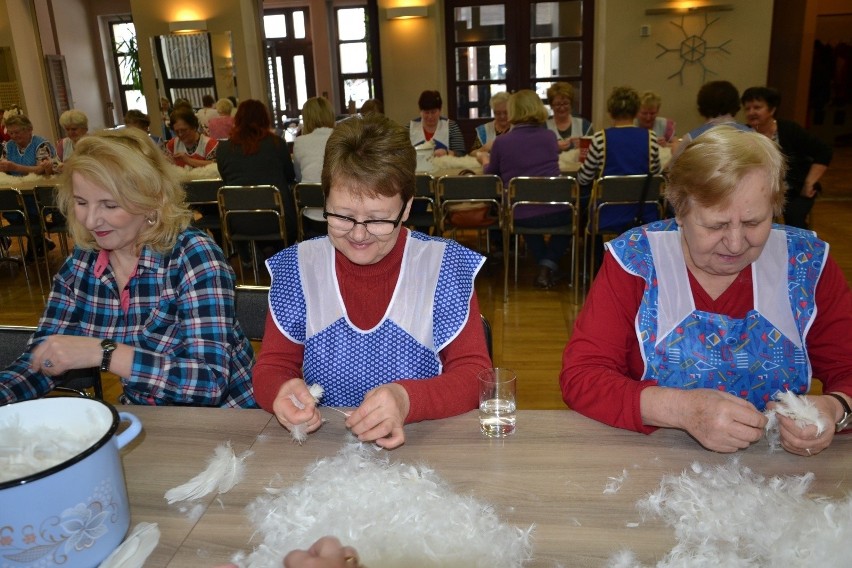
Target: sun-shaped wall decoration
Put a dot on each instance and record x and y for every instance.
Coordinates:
(693, 48)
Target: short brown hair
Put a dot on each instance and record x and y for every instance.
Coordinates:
(560, 89)
(430, 100)
(707, 172)
(525, 107)
(126, 163)
(316, 113)
(373, 154)
(623, 102)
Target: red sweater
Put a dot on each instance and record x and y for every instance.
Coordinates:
(366, 291)
(602, 362)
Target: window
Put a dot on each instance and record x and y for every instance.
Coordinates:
(290, 63)
(358, 74)
(125, 57)
(185, 66)
(508, 45)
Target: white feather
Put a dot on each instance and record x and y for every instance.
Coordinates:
(397, 515)
(730, 516)
(798, 408)
(136, 548)
(224, 470)
(615, 483)
(299, 432)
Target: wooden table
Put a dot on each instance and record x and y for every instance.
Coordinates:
(552, 473)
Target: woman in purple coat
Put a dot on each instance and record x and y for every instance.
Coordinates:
(530, 149)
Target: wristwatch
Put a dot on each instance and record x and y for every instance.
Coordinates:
(846, 421)
(108, 345)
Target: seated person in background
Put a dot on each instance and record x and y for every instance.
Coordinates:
(807, 156)
(430, 126)
(189, 148)
(142, 296)
(76, 125)
(567, 127)
(372, 105)
(488, 132)
(219, 126)
(622, 149)
(25, 154)
(206, 112)
(255, 155)
(696, 322)
(138, 119)
(718, 103)
(649, 108)
(309, 146)
(530, 149)
(385, 319)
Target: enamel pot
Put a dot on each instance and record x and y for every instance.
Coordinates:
(75, 513)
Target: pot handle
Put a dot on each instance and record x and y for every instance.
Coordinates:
(131, 432)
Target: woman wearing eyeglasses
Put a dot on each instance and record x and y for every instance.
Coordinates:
(385, 319)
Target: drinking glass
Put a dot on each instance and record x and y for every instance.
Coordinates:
(497, 402)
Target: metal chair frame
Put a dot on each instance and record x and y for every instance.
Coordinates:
(310, 203)
(611, 191)
(424, 191)
(262, 204)
(12, 201)
(45, 196)
(204, 192)
(532, 190)
(456, 189)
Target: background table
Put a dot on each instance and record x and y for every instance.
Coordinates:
(551, 473)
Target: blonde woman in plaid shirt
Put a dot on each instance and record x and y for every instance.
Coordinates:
(143, 295)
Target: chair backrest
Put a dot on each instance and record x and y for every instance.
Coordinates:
(627, 189)
(45, 196)
(13, 342)
(202, 191)
(310, 203)
(530, 190)
(252, 305)
(12, 200)
(252, 212)
(424, 186)
(454, 190)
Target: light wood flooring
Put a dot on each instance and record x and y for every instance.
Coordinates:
(530, 331)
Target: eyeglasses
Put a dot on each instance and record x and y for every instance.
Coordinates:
(376, 227)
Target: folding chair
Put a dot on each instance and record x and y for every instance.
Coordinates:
(202, 196)
(536, 191)
(423, 211)
(252, 213)
(310, 203)
(13, 342)
(45, 196)
(455, 190)
(12, 201)
(252, 305)
(612, 206)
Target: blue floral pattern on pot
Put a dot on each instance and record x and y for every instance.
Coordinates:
(56, 538)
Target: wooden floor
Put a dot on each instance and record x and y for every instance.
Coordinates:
(530, 331)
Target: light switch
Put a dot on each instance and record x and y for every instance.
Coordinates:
(644, 31)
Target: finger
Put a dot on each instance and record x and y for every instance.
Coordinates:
(396, 439)
(296, 558)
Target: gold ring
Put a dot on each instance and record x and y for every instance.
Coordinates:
(351, 561)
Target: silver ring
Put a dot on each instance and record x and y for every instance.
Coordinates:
(47, 363)
(809, 451)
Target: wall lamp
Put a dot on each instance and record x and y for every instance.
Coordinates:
(689, 9)
(188, 26)
(406, 12)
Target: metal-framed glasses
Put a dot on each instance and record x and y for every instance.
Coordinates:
(376, 227)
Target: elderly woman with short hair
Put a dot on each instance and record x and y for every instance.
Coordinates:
(488, 132)
(567, 127)
(189, 148)
(309, 146)
(697, 322)
(25, 153)
(648, 117)
(219, 127)
(143, 295)
(76, 125)
(386, 320)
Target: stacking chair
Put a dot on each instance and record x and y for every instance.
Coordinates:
(45, 196)
(537, 191)
(11, 201)
(310, 204)
(423, 211)
(252, 305)
(454, 190)
(13, 342)
(252, 213)
(202, 195)
(614, 198)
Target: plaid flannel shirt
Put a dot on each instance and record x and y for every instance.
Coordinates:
(190, 350)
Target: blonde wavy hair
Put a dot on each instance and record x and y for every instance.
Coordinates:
(126, 163)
